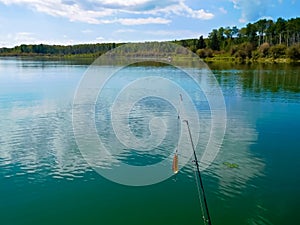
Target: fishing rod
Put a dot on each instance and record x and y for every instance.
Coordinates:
(175, 169)
(199, 173)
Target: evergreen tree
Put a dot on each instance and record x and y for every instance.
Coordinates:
(280, 29)
(251, 33)
(201, 43)
(214, 42)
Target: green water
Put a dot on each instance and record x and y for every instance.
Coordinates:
(45, 180)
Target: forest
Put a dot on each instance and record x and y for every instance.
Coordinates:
(263, 40)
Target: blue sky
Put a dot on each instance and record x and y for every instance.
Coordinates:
(97, 21)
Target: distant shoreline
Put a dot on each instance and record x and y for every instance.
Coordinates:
(89, 58)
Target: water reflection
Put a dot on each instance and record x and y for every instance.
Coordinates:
(35, 117)
(236, 149)
(37, 142)
(262, 81)
(38, 134)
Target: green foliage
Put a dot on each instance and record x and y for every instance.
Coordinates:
(251, 33)
(277, 51)
(244, 50)
(255, 55)
(201, 43)
(293, 52)
(42, 49)
(241, 54)
(264, 49)
(233, 50)
(204, 53)
(214, 42)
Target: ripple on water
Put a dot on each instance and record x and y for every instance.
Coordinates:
(40, 145)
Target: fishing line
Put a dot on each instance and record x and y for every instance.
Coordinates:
(198, 179)
(199, 197)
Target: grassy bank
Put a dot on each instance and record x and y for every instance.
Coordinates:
(237, 60)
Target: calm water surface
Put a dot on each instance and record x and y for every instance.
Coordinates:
(45, 180)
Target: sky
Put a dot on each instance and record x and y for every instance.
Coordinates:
(68, 22)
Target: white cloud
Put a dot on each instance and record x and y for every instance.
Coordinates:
(18, 38)
(87, 31)
(100, 38)
(172, 33)
(25, 37)
(105, 11)
(251, 10)
(179, 8)
(58, 8)
(142, 21)
(161, 35)
(197, 14)
(222, 10)
(242, 20)
(124, 3)
(15, 39)
(235, 3)
(125, 31)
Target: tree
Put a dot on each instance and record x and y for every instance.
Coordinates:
(184, 43)
(201, 43)
(228, 32)
(280, 29)
(26, 48)
(245, 50)
(204, 53)
(241, 36)
(220, 33)
(214, 42)
(261, 26)
(270, 31)
(264, 49)
(234, 31)
(251, 33)
(221, 37)
(277, 51)
(293, 52)
(293, 31)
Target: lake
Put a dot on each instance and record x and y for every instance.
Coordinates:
(44, 178)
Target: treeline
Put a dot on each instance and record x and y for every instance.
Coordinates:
(262, 39)
(57, 50)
